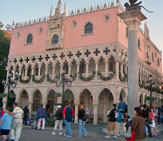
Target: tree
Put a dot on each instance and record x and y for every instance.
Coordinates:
(4, 50)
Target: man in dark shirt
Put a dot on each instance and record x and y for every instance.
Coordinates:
(145, 114)
(112, 122)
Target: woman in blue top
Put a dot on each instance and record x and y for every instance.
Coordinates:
(5, 123)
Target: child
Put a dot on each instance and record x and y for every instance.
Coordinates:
(5, 125)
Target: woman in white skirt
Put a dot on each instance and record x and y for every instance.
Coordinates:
(153, 125)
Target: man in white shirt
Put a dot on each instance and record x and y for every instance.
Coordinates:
(17, 123)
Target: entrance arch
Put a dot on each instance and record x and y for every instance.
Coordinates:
(122, 96)
(86, 99)
(105, 102)
(37, 98)
(51, 100)
(69, 98)
(23, 99)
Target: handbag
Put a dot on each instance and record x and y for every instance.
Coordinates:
(128, 133)
(150, 120)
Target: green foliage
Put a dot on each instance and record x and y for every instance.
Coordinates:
(2, 95)
(4, 49)
(105, 78)
(38, 81)
(150, 98)
(87, 78)
(25, 81)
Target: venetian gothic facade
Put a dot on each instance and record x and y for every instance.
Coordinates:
(91, 46)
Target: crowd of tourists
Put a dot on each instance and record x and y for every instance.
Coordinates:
(119, 121)
(134, 129)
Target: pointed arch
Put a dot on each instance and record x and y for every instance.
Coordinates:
(37, 99)
(23, 98)
(105, 102)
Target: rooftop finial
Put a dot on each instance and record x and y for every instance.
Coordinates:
(65, 8)
(58, 9)
(51, 10)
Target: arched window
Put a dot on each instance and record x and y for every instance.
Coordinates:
(88, 28)
(29, 39)
(55, 39)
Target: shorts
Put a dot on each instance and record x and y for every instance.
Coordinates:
(5, 132)
(112, 126)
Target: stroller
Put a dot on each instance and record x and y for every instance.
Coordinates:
(34, 124)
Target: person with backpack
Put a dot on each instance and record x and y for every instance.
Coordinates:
(81, 121)
(112, 122)
(58, 121)
(67, 115)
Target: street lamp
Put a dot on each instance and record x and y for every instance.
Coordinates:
(64, 81)
(10, 83)
(150, 84)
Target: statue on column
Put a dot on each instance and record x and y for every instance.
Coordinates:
(133, 5)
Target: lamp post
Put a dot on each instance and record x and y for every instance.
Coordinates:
(10, 84)
(64, 81)
(150, 84)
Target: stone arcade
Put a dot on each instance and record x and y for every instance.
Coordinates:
(92, 45)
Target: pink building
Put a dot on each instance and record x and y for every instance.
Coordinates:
(92, 45)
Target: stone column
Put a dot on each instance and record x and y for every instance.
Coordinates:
(4, 102)
(46, 70)
(106, 66)
(30, 104)
(14, 71)
(78, 65)
(69, 69)
(95, 106)
(132, 19)
(8, 70)
(87, 67)
(53, 71)
(20, 71)
(39, 71)
(96, 69)
(122, 70)
(26, 71)
(117, 69)
(76, 112)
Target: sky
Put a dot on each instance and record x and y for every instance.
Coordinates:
(25, 10)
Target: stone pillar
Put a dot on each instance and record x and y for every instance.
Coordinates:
(76, 112)
(106, 66)
(96, 69)
(53, 71)
(20, 71)
(87, 67)
(69, 69)
(78, 65)
(122, 70)
(33, 67)
(95, 106)
(30, 105)
(26, 71)
(14, 71)
(132, 19)
(39, 71)
(61, 68)
(8, 70)
(4, 102)
(117, 69)
(46, 70)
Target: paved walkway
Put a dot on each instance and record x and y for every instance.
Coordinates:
(94, 134)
